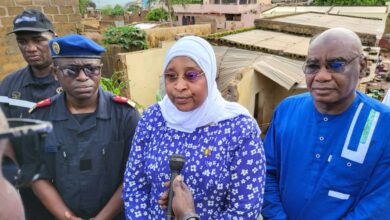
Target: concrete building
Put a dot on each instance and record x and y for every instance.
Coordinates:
(226, 14)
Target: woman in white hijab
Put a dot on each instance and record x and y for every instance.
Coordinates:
(224, 159)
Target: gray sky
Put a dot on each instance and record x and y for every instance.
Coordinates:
(102, 3)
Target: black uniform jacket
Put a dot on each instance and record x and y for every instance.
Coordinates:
(19, 91)
(86, 161)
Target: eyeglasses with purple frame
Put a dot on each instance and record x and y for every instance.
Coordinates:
(189, 76)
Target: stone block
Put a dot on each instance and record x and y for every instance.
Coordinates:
(41, 2)
(50, 10)
(75, 18)
(59, 2)
(8, 29)
(38, 8)
(23, 2)
(51, 17)
(7, 3)
(12, 11)
(74, 3)
(6, 40)
(61, 18)
(7, 21)
(69, 27)
(2, 51)
(67, 10)
(3, 12)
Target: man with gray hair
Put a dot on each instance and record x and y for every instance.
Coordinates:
(328, 150)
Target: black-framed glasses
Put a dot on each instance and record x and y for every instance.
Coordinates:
(336, 65)
(190, 76)
(74, 71)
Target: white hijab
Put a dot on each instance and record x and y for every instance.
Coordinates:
(215, 108)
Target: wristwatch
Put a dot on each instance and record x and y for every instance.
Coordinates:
(190, 216)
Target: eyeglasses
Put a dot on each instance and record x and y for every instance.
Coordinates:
(336, 65)
(190, 76)
(74, 71)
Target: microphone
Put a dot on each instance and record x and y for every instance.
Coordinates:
(176, 163)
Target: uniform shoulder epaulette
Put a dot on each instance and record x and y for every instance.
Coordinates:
(121, 99)
(40, 104)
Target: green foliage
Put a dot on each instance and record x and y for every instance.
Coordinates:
(128, 37)
(181, 2)
(158, 96)
(114, 84)
(157, 14)
(108, 10)
(83, 6)
(118, 10)
(133, 8)
(350, 2)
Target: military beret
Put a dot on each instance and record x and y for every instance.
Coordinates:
(74, 45)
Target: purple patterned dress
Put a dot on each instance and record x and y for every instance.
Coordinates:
(224, 168)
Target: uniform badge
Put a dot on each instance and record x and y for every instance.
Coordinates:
(56, 47)
(59, 90)
(16, 95)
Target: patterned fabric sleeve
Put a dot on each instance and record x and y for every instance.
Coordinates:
(245, 197)
(136, 190)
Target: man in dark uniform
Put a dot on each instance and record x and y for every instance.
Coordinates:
(85, 155)
(21, 89)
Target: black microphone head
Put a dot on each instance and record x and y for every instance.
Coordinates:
(176, 162)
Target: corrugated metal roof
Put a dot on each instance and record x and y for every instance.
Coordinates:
(233, 62)
(286, 72)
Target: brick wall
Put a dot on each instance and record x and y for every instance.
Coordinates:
(64, 14)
